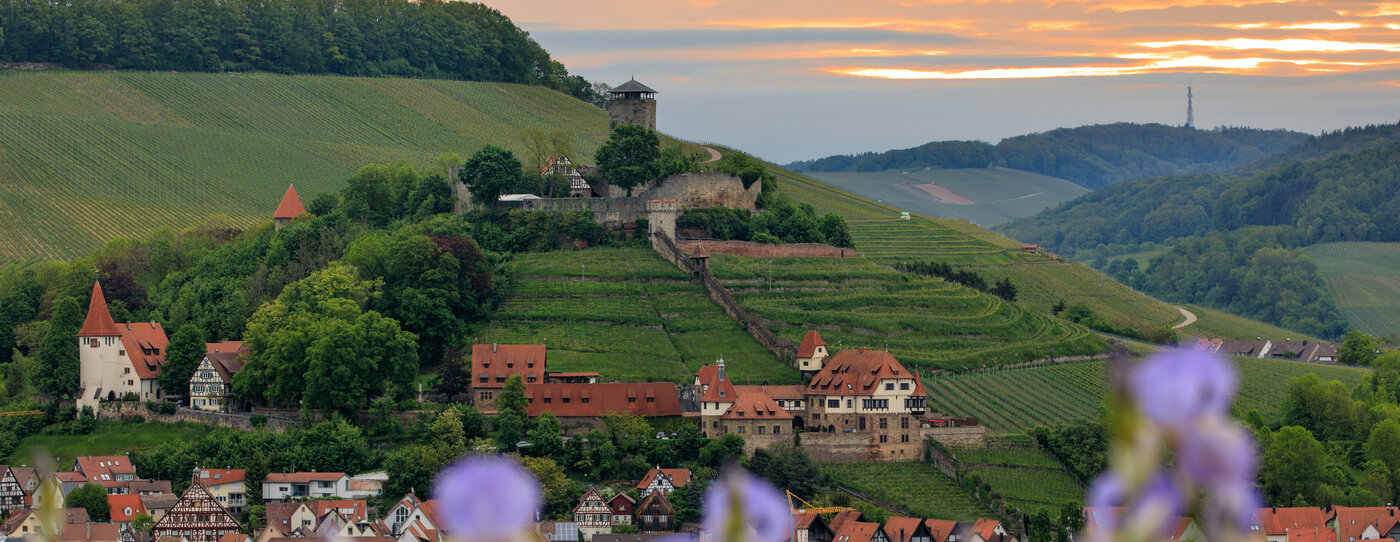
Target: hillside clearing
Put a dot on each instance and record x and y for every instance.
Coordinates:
(1364, 281)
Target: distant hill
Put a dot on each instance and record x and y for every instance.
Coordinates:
(983, 196)
(88, 156)
(1090, 156)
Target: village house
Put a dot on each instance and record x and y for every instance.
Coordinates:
(279, 486)
(26, 524)
(118, 360)
(1356, 523)
(90, 532)
(902, 529)
(593, 515)
(1249, 349)
(809, 527)
(414, 520)
(754, 413)
(1284, 524)
(943, 530)
(196, 517)
(583, 406)
(157, 504)
(655, 514)
(125, 508)
(290, 207)
(559, 164)
(327, 519)
(623, 506)
(558, 531)
(493, 364)
(227, 487)
(16, 485)
(211, 385)
(663, 480)
(991, 530)
(811, 353)
(115, 473)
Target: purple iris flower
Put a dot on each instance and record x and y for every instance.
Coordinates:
(1217, 452)
(485, 497)
(1156, 505)
(764, 508)
(1175, 387)
(1234, 504)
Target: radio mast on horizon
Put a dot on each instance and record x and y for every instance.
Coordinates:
(1190, 114)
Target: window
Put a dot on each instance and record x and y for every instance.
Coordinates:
(121, 352)
(651, 399)
(500, 379)
(833, 403)
(884, 423)
(904, 423)
(484, 379)
(126, 370)
(206, 374)
(777, 430)
(883, 438)
(740, 429)
(762, 430)
(904, 438)
(548, 400)
(530, 380)
(862, 423)
(584, 399)
(566, 399)
(631, 399)
(889, 386)
(714, 425)
(849, 402)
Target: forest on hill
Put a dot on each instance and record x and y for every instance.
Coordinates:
(1091, 156)
(444, 40)
(1244, 234)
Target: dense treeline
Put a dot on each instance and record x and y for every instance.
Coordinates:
(1334, 143)
(1092, 156)
(452, 40)
(782, 222)
(1002, 288)
(1249, 272)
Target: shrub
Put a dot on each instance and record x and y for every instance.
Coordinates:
(258, 420)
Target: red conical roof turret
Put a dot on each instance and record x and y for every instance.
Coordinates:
(290, 207)
(99, 321)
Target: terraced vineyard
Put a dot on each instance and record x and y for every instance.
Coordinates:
(628, 314)
(1025, 475)
(1015, 400)
(1040, 287)
(917, 487)
(1362, 280)
(87, 156)
(925, 322)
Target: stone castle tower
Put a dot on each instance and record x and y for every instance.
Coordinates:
(632, 102)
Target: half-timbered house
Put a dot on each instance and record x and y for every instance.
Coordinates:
(197, 517)
(211, 385)
(593, 514)
(663, 480)
(12, 492)
(655, 514)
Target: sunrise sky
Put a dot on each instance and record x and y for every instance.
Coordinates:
(797, 79)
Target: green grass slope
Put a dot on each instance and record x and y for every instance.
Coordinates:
(627, 314)
(87, 156)
(1015, 400)
(1364, 281)
(1000, 194)
(1027, 476)
(109, 438)
(1217, 324)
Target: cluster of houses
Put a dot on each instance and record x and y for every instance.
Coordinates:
(1294, 524)
(1309, 351)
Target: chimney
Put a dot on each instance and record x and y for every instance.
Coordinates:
(493, 348)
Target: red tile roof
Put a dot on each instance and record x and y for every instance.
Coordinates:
(1277, 521)
(588, 400)
(233, 537)
(793, 392)
(809, 345)
(94, 466)
(125, 507)
(857, 531)
(290, 206)
(99, 321)
(720, 389)
(750, 406)
(986, 527)
(497, 362)
(839, 519)
(901, 529)
(1351, 521)
(302, 477)
(216, 477)
(227, 357)
(351, 510)
(90, 532)
(679, 477)
(1310, 534)
(941, 529)
(857, 372)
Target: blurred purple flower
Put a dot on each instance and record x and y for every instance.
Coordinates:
(1155, 506)
(1218, 452)
(486, 497)
(765, 509)
(1174, 387)
(1234, 504)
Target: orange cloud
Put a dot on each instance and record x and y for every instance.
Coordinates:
(1321, 26)
(1292, 45)
(1196, 63)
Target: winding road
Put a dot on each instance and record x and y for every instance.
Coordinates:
(1190, 318)
(714, 155)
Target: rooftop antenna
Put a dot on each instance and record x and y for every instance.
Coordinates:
(1190, 112)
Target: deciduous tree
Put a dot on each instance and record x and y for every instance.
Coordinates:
(58, 356)
(182, 355)
(93, 497)
(629, 157)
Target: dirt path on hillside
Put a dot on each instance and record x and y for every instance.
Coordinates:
(1190, 318)
(714, 155)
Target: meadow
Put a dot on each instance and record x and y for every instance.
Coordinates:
(1016, 400)
(917, 487)
(1217, 324)
(1001, 194)
(925, 322)
(108, 438)
(1041, 286)
(1363, 282)
(628, 314)
(87, 156)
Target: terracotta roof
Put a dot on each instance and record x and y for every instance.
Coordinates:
(290, 206)
(94, 532)
(985, 527)
(16, 518)
(809, 345)
(839, 519)
(104, 469)
(216, 477)
(1351, 521)
(227, 357)
(149, 486)
(941, 529)
(857, 372)
(497, 362)
(352, 510)
(1277, 521)
(792, 392)
(74, 516)
(1208, 345)
(302, 477)
(121, 504)
(750, 406)
(159, 501)
(279, 515)
(586, 400)
(1310, 534)
(678, 477)
(622, 504)
(233, 537)
(901, 529)
(857, 531)
(720, 389)
(99, 321)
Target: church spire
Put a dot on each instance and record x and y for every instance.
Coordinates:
(99, 322)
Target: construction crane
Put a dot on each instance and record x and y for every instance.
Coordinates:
(21, 413)
(809, 509)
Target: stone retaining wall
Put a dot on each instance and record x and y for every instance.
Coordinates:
(241, 422)
(762, 250)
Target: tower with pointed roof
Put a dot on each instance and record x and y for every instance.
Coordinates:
(290, 207)
(632, 102)
(117, 359)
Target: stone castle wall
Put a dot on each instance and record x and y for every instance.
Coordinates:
(709, 189)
